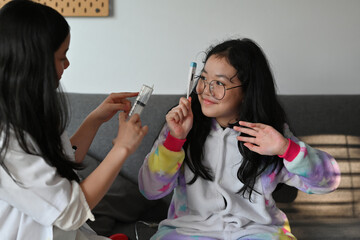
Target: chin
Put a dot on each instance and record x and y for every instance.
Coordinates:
(208, 112)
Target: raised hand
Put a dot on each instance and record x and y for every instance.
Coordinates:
(111, 105)
(263, 139)
(180, 119)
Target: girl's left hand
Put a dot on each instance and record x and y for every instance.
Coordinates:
(263, 139)
(112, 104)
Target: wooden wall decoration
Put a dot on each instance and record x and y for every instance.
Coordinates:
(78, 8)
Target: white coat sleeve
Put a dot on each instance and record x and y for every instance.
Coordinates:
(40, 192)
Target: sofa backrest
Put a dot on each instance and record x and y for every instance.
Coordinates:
(307, 115)
(322, 114)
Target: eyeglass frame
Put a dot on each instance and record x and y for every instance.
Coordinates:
(210, 89)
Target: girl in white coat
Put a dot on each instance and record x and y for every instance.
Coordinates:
(41, 196)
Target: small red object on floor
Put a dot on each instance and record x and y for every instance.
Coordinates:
(119, 236)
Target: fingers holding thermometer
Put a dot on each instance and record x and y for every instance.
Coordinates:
(180, 119)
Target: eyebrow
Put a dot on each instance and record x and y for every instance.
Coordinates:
(219, 75)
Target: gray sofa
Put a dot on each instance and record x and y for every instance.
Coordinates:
(328, 122)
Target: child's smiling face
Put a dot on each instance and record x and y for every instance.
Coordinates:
(226, 110)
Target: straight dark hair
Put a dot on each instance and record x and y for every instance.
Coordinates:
(259, 105)
(31, 103)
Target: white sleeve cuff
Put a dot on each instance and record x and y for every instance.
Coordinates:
(76, 213)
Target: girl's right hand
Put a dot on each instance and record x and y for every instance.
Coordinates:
(130, 133)
(180, 119)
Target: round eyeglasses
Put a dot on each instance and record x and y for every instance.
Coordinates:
(217, 88)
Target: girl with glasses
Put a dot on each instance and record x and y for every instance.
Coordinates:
(223, 151)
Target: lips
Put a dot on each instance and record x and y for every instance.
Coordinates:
(208, 101)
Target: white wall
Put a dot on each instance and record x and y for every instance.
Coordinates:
(313, 45)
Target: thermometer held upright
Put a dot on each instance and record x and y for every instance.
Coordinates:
(191, 78)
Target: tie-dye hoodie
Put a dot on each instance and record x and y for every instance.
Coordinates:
(215, 208)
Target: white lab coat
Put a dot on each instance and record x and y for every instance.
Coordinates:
(41, 204)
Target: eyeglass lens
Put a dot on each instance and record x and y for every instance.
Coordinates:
(217, 90)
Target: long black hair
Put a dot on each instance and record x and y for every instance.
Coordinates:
(30, 100)
(259, 105)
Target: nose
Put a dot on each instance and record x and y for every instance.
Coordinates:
(66, 64)
(207, 88)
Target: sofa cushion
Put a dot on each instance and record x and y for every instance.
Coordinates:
(326, 229)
